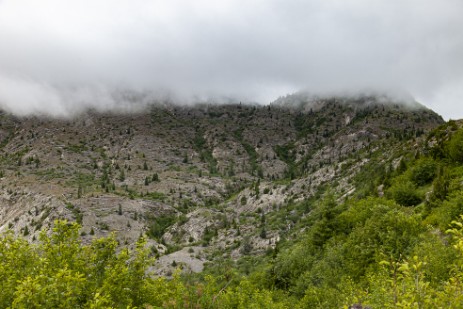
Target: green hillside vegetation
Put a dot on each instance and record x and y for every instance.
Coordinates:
(398, 243)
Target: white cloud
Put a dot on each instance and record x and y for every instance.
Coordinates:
(251, 50)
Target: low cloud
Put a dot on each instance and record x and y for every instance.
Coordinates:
(60, 57)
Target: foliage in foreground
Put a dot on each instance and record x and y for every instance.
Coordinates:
(60, 272)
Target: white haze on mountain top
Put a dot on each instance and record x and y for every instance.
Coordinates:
(59, 57)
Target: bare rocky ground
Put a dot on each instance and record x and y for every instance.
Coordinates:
(200, 181)
(188, 259)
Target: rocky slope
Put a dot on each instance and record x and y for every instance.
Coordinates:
(215, 180)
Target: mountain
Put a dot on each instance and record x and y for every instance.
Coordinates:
(353, 202)
(206, 178)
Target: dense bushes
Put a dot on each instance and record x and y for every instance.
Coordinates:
(455, 147)
(60, 272)
(423, 171)
(404, 192)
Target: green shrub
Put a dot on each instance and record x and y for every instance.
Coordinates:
(424, 171)
(404, 193)
(455, 147)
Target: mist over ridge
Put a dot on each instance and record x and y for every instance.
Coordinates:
(48, 101)
(58, 58)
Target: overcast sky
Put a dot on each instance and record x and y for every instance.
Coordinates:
(58, 56)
